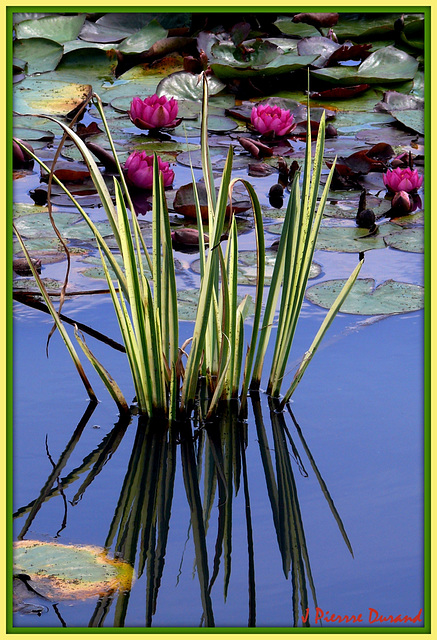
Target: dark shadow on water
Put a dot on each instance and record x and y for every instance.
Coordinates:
(214, 470)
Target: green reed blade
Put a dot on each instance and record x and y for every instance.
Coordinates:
(58, 322)
(106, 378)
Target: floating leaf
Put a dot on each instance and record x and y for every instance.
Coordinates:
(286, 25)
(143, 39)
(218, 159)
(187, 86)
(323, 47)
(39, 95)
(187, 304)
(388, 298)
(407, 240)
(385, 65)
(368, 26)
(40, 54)
(69, 571)
(184, 202)
(31, 134)
(30, 286)
(351, 240)
(57, 28)
(247, 267)
(38, 225)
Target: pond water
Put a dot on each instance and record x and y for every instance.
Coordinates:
(311, 517)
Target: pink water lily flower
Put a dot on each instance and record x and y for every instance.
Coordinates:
(139, 170)
(154, 112)
(271, 119)
(402, 180)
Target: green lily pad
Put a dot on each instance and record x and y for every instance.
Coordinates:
(42, 95)
(388, 298)
(32, 134)
(27, 208)
(368, 26)
(70, 571)
(351, 240)
(57, 28)
(286, 25)
(187, 86)
(387, 65)
(117, 26)
(38, 225)
(40, 54)
(345, 205)
(143, 39)
(282, 63)
(412, 240)
(187, 304)
(414, 120)
(35, 245)
(218, 159)
(348, 122)
(82, 65)
(29, 285)
(76, 45)
(141, 80)
(258, 53)
(96, 271)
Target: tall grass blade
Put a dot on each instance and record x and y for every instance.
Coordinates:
(106, 378)
(59, 325)
(321, 332)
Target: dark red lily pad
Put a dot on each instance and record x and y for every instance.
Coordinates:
(339, 92)
(67, 171)
(317, 19)
(184, 202)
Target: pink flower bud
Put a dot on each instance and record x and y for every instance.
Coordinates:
(139, 170)
(271, 119)
(401, 203)
(154, 112)
(402, 180)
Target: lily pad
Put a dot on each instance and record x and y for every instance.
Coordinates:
(96, 271)
(247, 267)
(388, 298)
(141, 80)
(351, 240)
(26, 208)
(218, 159)
(38, 225)
(57, 28)
(323, 47)
(40, 54)
(115, 25)
(83, 65)
(32, 134)
(387, 65)
(143, 39)
(282, 63)
(412, 240)
(187, 304)
(187, 86)
(29, 285)
(368, 26)
(41, 95)
(69, 571)
(286, 25)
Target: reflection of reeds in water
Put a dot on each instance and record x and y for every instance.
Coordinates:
(214, 466)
